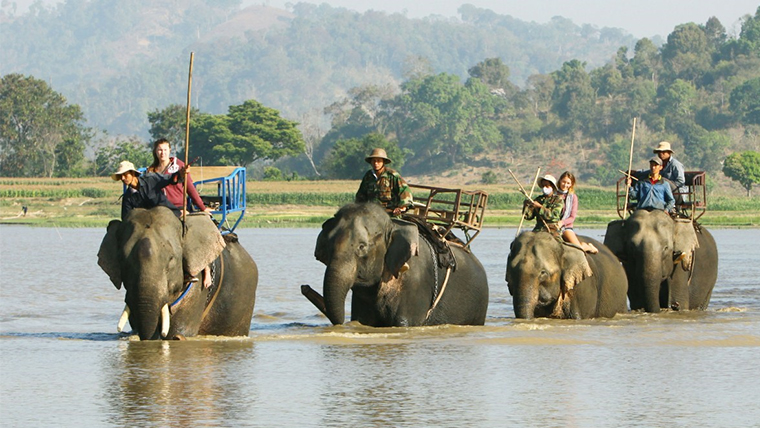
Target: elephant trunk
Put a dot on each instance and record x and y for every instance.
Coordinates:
(152, 316)
(524, 309)
(526, 298)
(652, 281)
(339, 278)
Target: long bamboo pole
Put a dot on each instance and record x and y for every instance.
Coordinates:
(522, 217)
(187, 135)
(630, 163)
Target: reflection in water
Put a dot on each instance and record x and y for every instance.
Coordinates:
(179, 383)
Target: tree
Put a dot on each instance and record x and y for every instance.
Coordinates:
(494, 74)
(108, 156)
(573, 97)
(346, 159)
(745, 101)
(34, 122)
(170, 123)
(247, 133)
(743, 167)
(687, 52)
(442, 121)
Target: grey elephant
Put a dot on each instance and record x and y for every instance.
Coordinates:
(549, 278)
(366, 251)
(669, 263)
(149, 252)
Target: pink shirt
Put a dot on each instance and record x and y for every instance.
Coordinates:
(174, 191)
(568, 216)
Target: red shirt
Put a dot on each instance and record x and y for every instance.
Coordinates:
(174, 192)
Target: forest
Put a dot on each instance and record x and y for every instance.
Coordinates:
(480, 93)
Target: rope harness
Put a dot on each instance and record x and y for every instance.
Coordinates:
(436, 294)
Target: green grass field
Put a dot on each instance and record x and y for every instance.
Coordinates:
(93, 202)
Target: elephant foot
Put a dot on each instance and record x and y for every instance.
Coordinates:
(178, 337)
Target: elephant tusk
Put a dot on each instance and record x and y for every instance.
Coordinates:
(123, 319)
(165, 320)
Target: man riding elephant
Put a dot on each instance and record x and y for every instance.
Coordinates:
(384, 185)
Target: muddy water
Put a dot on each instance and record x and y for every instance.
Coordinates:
(62, 364)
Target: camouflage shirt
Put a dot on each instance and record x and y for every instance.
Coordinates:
(389, 189)
(550, 213)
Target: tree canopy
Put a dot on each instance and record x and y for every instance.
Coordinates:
(249, 132)
(743, 167)
(41, 134)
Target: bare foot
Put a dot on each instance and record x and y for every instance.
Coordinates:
(590, 248)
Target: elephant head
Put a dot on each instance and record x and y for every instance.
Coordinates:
(149, 252)
(650, 245)
(539, 271)
(361, 247)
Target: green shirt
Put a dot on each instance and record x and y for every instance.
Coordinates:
(550, 213)
(389, 189)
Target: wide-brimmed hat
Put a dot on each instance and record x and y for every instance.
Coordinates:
(656, 159)
(664, 146)
(378, 153)
(124, 166)
(550, 178)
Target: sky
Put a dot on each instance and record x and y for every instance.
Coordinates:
(641, 18)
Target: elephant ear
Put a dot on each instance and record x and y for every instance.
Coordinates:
(575, 267)
(202, 244)
(404, 243)
(614, 239)
(322, 250)
(684, 242)
(108, 254)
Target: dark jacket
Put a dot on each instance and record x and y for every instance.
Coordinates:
(148, 194)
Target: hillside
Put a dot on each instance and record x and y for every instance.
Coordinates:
(120, 60)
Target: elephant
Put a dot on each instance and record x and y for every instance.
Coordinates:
(393, 281)
(549, 278)
(151, 250)
(670, 263)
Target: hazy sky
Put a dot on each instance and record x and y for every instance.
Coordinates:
(641, 18)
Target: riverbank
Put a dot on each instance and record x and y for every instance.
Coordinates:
(93, 202)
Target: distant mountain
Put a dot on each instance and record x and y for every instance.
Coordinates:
(120, 60)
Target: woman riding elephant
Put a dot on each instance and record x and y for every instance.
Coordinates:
(550, 278)
(148, 252)
(669, 263)
(364, 250)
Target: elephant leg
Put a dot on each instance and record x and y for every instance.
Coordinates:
(679, 290)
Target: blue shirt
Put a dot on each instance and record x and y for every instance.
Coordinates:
(674, 172)
(653, 196)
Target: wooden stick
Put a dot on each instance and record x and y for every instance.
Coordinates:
(630, 162)
(627, 174)
(187, 135)
(522, 189)
(522, 217)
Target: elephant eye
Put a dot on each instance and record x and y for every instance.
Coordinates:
(543, 275)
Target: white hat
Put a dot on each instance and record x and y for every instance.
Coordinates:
(664, 146)
(550, 178)
(124, 166)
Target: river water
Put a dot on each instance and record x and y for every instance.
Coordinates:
(63, 364)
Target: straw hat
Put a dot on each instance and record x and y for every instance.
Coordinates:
(378, 153)
(664, 146)
(124, 166)
(550, 178)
